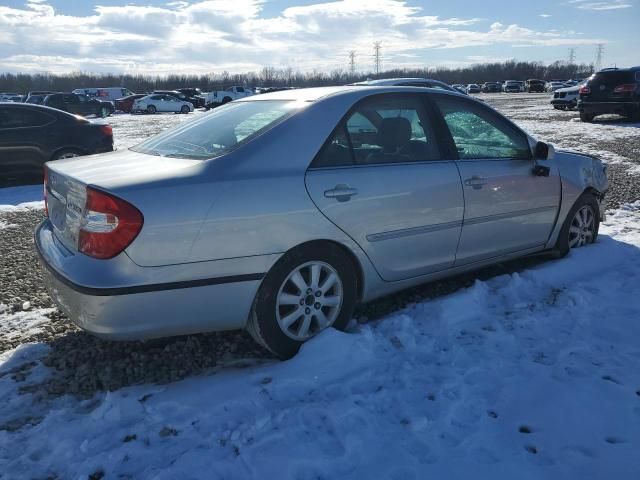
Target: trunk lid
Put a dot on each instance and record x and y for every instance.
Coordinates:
(68, 179)
(603, 84)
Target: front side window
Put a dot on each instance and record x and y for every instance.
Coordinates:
(220, 130)
(384, 129)
(479, 133)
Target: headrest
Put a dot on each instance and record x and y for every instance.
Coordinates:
(394, 133)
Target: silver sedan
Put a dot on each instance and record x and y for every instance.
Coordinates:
(279, 212)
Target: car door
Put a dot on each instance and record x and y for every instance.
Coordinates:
(508, 207)
(382, 179)
(22, 134)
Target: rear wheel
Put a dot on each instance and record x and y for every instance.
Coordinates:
(581, 226)
(185, 109)
(586, 117)
(308, 290)
(226, 100)
(151, 109)
(67, 153)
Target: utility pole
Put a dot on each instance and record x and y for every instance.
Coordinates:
(599, 55)
(352, 62)
(377, 55)
(572, 56)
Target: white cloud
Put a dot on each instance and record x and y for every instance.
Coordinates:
(599, 6)
(544, 15)
(236, 35)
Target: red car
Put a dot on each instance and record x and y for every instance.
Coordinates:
(125, 104)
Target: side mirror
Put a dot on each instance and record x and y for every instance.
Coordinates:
(544, 151)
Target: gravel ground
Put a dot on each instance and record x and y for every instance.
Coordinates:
(81, 364)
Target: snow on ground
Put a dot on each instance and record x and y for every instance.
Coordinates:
(530, 375)
(19, 324)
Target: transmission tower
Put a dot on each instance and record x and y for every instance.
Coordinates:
(572, 56)
(377, 56)
(599, 55)
(352, 62)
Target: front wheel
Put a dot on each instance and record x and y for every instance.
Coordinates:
(586, 117)
(151, 109)
(581, 225)
(185, 109)
(308, 290)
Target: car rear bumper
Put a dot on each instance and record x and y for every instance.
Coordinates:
(109, 308)
(622, 108)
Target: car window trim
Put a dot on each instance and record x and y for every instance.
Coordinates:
(343, 121)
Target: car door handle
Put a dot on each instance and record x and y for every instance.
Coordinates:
(341, 192)
(475, 182)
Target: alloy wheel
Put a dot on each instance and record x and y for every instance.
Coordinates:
(582, 227)
(309, 300)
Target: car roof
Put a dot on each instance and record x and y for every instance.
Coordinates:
(313, 94)
(393, 81)
(33, 106)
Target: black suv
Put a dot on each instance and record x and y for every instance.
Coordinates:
(194, 95)
(534, 85)
(79, 104)
(612, 90)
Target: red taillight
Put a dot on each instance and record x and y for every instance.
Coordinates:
(107, 130)
(46, 178)
(626, 88)
(584, 90)
(108, 226)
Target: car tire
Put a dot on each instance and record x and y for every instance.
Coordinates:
(67, 153)
(571, 234)
(151, 109)
(185, 109)
(586, 117)
(225, 100)
(102, 112)
(278, 319)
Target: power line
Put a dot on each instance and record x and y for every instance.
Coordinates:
(352, 62)
(599, 56)
(377, 55)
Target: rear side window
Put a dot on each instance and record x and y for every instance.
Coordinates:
(384, 129)
(479, 133)
(22, 117)
(612, 78)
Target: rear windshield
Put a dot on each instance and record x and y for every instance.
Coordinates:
(612, 78)
(219, 131)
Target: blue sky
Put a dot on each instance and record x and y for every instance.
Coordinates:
(245, 35)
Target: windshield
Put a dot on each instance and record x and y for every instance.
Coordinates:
(219, 131)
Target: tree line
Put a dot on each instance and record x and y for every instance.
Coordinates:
(288, 77)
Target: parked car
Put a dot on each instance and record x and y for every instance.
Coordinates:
(612, 90)
(279, 213)
(552, 86)
(491, 87)
(160, 103)
(220, 97)
(7, 96)
(79, 104)
(31, 135)
(37, 97)
(566, 98)
(534, 86)
(106, 94)
(408, 82)
(126, 104)
(193, 95)
(512, 86)
(473, 88)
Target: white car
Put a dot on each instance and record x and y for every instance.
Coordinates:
(553, 86)
(106, 94)
(220, 97)
(159, 102)
(566, 98)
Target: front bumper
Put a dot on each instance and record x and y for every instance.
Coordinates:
(94, 295)
(563, 101)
